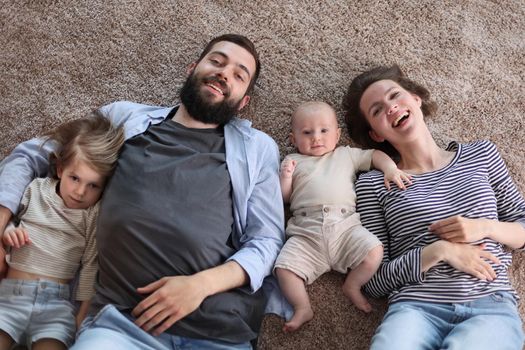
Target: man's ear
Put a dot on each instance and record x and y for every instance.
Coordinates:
(374, 136)
(244, 102)
(190, 68)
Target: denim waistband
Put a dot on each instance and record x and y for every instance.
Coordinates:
(34, 287)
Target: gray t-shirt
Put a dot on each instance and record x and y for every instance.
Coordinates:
(167, 211)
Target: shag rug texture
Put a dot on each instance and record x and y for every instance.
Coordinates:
(61, 58)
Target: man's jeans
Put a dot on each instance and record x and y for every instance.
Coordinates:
(491, 323)
(110, 329)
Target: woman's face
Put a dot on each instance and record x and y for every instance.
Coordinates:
(392, 112)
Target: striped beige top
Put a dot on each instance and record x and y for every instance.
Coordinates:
(62, 239)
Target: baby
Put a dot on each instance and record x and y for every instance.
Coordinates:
(325, 232)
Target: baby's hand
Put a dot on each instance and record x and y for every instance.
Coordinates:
(288, 167)
(399, 177)
(15, 237)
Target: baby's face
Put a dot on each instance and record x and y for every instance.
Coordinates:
(314, 130)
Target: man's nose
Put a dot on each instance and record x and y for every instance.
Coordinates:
(224, 74)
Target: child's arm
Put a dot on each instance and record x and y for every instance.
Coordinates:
(381, 161)
(5, 216)
(285, 177)
(14, 236)
(82, 312)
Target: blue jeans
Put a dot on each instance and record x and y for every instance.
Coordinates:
(491, 322)
(110, 329)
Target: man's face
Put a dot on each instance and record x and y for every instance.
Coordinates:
(216, 86)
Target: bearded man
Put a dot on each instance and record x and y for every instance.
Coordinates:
(192, 220)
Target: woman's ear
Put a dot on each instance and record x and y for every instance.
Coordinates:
(418, 99)
(374, 136)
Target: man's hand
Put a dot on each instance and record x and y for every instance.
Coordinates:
(170, 299)
(15, 237)
(459, 229)
(399, 177)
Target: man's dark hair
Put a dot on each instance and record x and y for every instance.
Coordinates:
(356, 122)
(243, 42)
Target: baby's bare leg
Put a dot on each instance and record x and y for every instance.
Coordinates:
(48, 344)
(359, 276)
(5, 341)
(295, 292)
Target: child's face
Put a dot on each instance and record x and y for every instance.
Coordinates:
(314, 130)
(80, 185)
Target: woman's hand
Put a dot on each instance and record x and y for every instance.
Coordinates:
(460, 229)
(471, 259)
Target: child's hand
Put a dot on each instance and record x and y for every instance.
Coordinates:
(15, 237)
(287, 168)
(399, 177)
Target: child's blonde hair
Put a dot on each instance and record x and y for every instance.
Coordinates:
(93, 139)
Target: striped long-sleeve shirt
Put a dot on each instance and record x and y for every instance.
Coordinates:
(62, 239)
(476, 184)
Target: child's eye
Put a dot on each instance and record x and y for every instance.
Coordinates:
(93, 186)
(324, 131)
(74, 178)
(307, 132)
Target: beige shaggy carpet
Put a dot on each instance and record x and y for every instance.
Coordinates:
(61, 58)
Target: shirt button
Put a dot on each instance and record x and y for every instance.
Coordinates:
(303, 213)
(343, 211)
(326, 210)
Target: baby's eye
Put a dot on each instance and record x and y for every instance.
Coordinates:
(307, 132)
(324, 131)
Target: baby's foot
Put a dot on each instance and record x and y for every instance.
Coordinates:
(300, 317)
(358, 299)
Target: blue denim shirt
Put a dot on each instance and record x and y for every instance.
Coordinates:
(252, 158)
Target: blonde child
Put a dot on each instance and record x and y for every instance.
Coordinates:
(325, 232)
(54, 238)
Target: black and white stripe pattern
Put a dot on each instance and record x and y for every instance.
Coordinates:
(476, 184)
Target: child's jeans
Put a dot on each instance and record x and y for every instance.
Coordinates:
(34, 310)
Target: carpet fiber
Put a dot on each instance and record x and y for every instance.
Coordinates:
(60, 59)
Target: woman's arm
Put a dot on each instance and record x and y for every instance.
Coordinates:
(509, 228)
(393, 273)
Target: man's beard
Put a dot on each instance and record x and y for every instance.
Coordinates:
(202, 109)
